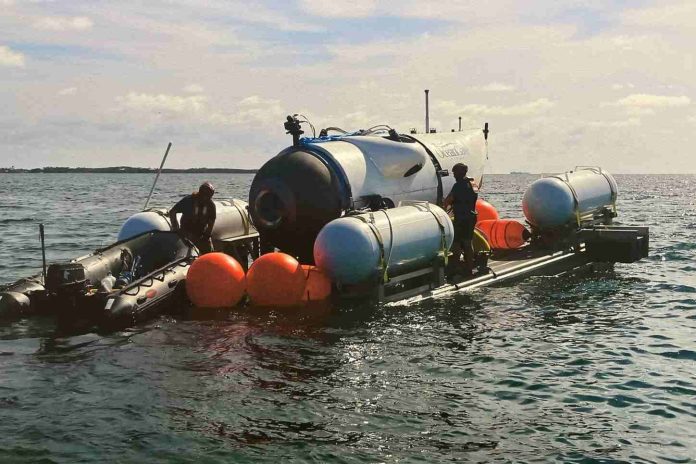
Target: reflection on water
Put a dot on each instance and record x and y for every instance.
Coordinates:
(596, 369)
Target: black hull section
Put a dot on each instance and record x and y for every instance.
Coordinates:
(158, 286)
(157, 293)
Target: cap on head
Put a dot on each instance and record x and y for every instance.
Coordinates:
(206, 189)
(460, 170)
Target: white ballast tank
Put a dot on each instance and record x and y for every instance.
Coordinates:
(567, 198)
(357, 249)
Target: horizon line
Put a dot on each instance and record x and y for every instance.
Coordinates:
(223, 170)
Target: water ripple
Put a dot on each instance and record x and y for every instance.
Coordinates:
(597, 369)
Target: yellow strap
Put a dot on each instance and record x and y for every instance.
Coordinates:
(614, 193)
(245, 218)
(382, 261)
(575, 199)
(443, 237)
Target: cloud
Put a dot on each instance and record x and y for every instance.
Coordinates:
(64, 23)
(630, 122)
(200, 110)
(11, 58)
(250, 112)
(643, 100)
(68, 91)
(680, 14)
(639, 110)
(193, 88)
(265, 16)
(162, 103)
(521, 109)
(494, 87)
(333, 9)
(630, 42)
(515, 65)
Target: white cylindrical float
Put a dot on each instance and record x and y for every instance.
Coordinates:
(568, 198)
(144, 221)
(231, 220)
(357, 249)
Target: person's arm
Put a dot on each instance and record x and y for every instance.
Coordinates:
(172, 215)
(208, 229)
(448, 201)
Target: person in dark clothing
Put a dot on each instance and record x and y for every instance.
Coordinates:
(462, 200)
(197, 217)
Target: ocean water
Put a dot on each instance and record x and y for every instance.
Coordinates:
(594, 369)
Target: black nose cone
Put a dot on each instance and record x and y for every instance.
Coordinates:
(291, 198)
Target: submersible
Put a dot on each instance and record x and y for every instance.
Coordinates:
(316, 180)
(366, 208)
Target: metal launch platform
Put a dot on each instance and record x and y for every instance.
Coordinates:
(595, 248)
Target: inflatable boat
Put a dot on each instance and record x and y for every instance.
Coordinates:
(125, 280)
(140, 276)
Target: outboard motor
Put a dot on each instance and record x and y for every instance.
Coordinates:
(320, 179)
(66, 279)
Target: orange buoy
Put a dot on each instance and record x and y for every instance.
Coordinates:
(275, 279)
(486, 211)
(318, 285)
(215, 280)
(504, 234)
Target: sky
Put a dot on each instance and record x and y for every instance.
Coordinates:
(562, 83)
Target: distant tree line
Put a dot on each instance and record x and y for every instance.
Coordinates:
(127, 170)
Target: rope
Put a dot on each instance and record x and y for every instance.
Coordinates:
(159, 211)
(376, 129)
(576, 202)
(305, 119)
(245, 218)
(332, 138)
(599, 170)
(505, 234)
(443, 237)
(614, 193)
(327, 138)
(384, 258)
(391, 242)
(384, 266)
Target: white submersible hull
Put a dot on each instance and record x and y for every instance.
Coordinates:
(306, 186)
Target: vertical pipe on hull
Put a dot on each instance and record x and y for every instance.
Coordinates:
(427, 113)
(42, 239)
